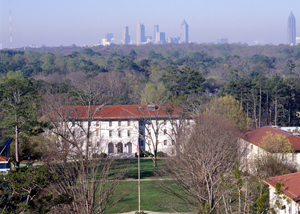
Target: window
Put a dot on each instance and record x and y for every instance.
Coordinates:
(149, 131)
(110, 123)
(98, 143)
(97, 123)
(141, 132)
(165, 131)
(119, 133)
(73, 123)
(173, 142)
(165, 122)
(128, 133)
(188, 122)
(119, 123)
(142, 143)
(128, 123)
(165, 142)
(110, 133)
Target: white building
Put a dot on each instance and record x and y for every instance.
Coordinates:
(289, 199)
(252, 146)
(117, 129)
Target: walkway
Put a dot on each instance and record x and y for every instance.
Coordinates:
(150, 212)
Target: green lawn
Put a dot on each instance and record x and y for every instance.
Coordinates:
(131, 168)
(153, 198)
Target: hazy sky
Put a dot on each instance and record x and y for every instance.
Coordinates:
(67, 22)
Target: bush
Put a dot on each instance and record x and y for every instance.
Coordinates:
(102, 155)
(143, 154)
(161, 154)
(95, 155)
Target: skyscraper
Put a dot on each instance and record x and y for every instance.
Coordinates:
(109, 36)
(140, 33)
(156, 29)
(184, 32)
(291, 30)
(125, 36)
(160, 38)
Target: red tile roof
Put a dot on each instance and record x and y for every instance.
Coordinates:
(291, 186)
(121, 112)
(255, 136)
(3, 158)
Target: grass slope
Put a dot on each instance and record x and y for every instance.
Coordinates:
(152, 198)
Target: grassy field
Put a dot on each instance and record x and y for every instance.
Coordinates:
(153, 198)
(131, 168)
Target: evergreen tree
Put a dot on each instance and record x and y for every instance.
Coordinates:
(19, 104)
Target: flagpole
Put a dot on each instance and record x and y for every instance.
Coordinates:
(139, 177)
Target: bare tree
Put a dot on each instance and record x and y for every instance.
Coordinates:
(75, 155)
(159, 124)
(203, 153)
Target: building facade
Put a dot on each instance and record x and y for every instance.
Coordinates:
(253, 146)
(118, 129)
(5, 156)
(140, 34)
(184, 32)
(291, 30)
(125, 36)
(289, 200)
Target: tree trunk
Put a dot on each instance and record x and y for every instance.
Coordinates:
(267, 108)
(241, 98)
(259, 113)
(17, 148)
(276, 112)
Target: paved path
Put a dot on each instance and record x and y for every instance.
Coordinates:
(150, 212)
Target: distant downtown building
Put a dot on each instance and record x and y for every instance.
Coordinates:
(109, 36)
(184, 32)
(291, 30)
(140, 34)
(125, 36)
(156, 30)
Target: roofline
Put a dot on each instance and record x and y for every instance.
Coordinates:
(277, 143)
(6, 144)
(274, 183)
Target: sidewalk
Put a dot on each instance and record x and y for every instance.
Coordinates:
(150, 212)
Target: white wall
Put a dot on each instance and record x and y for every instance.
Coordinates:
(291, 208)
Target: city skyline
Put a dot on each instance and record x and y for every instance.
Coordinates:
(81, 23)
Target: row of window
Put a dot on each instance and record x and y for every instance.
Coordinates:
(128, 123)
(141, 123)
(120, 133)
(129, 133)
(166, 142)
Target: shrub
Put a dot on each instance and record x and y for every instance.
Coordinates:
(143, 154)
(161, 154)
(95, 155)
(103, 155)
